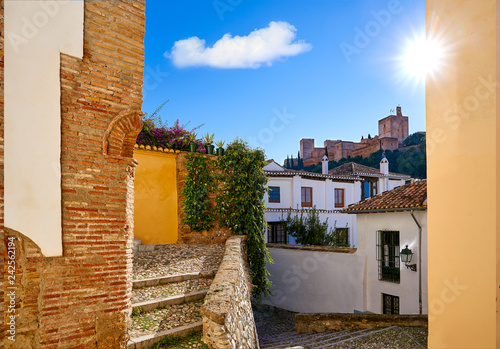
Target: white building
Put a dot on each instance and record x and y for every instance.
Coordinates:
(371, 278)
(292, 191)
(330, 192)
(373, 181)
(386, 225)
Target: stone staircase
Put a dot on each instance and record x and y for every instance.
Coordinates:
(316, 340)
(167, 306)
(168, 292)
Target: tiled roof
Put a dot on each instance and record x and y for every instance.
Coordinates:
(154, 148)
(408, 196)
(310, 175)
(352, 168)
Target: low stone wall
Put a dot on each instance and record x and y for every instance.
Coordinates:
(227, 312)
(306, 323)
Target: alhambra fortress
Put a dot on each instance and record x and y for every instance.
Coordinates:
(392, 131)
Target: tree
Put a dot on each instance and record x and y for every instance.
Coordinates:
(306, 228)
(414, 139)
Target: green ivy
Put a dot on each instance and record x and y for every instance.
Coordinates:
(240, 206)
(240, 202)
(199, 213)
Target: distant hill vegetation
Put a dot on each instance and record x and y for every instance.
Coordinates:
(411, 161)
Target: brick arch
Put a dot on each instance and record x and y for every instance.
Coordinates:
(119, 138)
(25, 256)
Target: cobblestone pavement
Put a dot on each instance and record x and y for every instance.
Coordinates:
(271, 321)
(193, 341)
(176, 259)
(169, 290)
(165, 318)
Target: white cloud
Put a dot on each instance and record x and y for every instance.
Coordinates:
(260, 48)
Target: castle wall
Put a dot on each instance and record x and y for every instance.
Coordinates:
(368, 149)
(82, 299)
(344, 149)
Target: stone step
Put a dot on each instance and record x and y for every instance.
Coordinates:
(318, 340)
(274, 338)
(162, 291)
(353, 336)
(294, 338)
(150, 324)
(174, 300)
(147, 340)
(173, 278)
(312, 340)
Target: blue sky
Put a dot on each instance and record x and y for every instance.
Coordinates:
(289, 69)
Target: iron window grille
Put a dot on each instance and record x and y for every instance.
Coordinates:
(342, 237)
(390, 304)
(388, 255)
(276, 234)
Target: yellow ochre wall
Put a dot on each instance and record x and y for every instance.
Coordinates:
(155, 202)
(461, 130)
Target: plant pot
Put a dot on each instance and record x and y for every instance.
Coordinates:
(193, 147)
(210, 149)
(220, 151)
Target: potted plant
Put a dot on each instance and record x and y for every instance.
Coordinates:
(220, 150)
(208, 143)
(192, 145)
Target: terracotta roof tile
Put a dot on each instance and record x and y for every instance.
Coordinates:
(352, 168)
(408, 196)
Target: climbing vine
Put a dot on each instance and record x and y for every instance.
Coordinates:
(240, 207)
(239, 198)
(199, 213)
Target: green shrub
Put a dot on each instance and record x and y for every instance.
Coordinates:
(197, 187)
(240, 206)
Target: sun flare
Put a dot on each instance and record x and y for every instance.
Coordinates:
(423, 57)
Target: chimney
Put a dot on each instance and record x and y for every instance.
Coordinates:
(398, 111)
(324, 164)
(384, 170)
(384, 166)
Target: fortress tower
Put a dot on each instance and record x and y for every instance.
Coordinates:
(394, 126)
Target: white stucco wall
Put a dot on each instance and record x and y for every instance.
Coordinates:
(316, 282)
(393, 183)
(323, 192)
(36, 32)
(273, 166)
(407, 289)
(286, 192)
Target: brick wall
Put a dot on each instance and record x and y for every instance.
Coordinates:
(2, 333)
(215, 235)
(82, 299)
